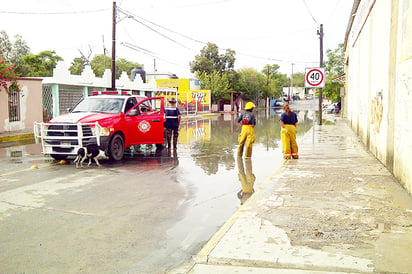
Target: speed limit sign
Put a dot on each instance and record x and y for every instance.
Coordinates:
(315, 77)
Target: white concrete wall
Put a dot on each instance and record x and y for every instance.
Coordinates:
(371, 101)
(403, 100)
(61, 75)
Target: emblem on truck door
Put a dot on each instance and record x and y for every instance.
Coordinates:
(144, 126)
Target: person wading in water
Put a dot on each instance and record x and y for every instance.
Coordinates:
(288, 122)
(247, 135)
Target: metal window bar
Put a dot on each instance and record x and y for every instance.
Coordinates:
(14, 106)
(68, 97)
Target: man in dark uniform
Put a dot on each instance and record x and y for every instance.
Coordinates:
(172, 122)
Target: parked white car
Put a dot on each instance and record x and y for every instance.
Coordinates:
(333, 108)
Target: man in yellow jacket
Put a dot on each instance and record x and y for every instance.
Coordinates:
(288, 122)
(247, 135)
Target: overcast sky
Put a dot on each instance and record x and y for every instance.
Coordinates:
(168, 34)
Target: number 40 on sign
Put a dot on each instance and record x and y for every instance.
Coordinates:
(315, 77)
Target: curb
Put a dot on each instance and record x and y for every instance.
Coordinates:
(16, 137)
(9, 140)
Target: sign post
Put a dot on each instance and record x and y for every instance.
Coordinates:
(315, 78)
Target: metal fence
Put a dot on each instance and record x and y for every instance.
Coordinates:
(47, 103)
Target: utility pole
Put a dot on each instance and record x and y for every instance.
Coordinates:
(114, 48)
(320, 33)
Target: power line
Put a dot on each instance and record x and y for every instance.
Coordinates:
(132, 16)
(52, 13)
(151, 54)
(310, 13)
(331, 14)
(172, 31)
(194, 5)
(152, 29)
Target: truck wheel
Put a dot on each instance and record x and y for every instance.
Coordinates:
(59, 157)
(116, 148)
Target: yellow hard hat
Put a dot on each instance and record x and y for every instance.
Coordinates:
(249, 105)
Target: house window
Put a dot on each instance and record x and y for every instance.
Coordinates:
(14, 106)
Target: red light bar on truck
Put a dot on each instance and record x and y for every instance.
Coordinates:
(111, 92)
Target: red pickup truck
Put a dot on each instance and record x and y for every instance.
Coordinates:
(115, 122)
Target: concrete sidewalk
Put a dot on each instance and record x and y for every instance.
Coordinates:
(335, 209)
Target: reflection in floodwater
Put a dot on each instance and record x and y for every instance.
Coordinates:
(246, 178)
(210, 142)
(167, 156)
(173, 157)
(213, 142)
(149, 154)
(16, 156)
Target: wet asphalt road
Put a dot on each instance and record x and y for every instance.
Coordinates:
(148, 213)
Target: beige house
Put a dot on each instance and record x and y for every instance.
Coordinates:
(378, 92)
(19, 110)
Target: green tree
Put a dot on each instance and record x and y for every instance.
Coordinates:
(217, 83)
(41, 64)
(298, 79)
(5, 46)
(283, 82)
(77, 65)
(335, 61)
(210, 60)
(275, 81)
(215, 71)
(334, 67)
(125, 65)
(13, 52)
(99, 63)
(19, 49)
(102, 62)
(252, 83)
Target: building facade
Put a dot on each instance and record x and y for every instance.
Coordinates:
(63, 90)
(20, 109)
(377, 99)
(191, 98)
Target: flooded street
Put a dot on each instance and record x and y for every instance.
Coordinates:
(147, 213)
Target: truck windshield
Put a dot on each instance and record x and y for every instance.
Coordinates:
(105, 105)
